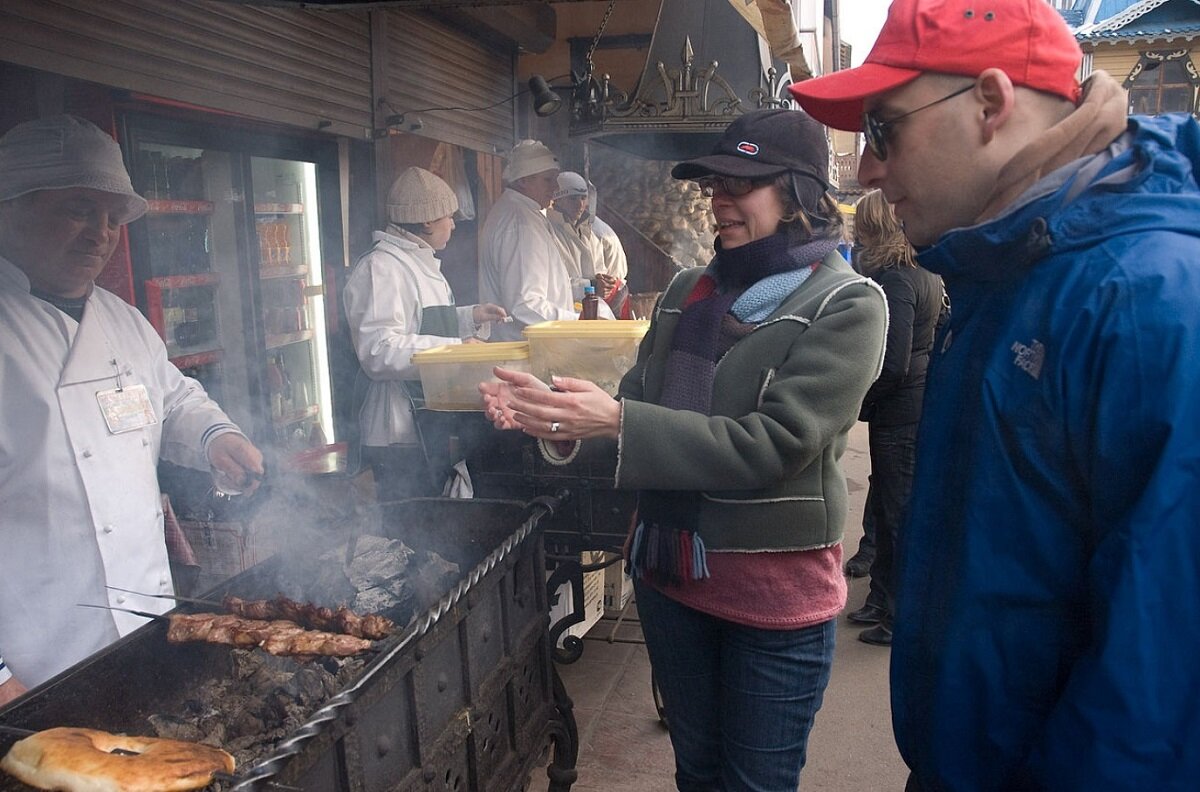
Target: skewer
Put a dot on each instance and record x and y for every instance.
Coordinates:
(143, 614)
(13, 730)
(189, 600)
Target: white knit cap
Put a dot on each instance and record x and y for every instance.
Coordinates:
(571, 183)
(61, 152)
(418, 196)
(527, 158)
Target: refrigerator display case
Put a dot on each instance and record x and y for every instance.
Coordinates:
(230, 266)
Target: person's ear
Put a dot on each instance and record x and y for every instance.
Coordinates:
(995, 91)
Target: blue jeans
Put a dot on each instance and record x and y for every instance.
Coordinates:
(739, 700)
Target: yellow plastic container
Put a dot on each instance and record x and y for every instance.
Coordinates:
(597, 350)
(450, 375)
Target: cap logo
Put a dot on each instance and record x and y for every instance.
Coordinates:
(748, 148)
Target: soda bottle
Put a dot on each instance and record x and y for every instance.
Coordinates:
(591, 304)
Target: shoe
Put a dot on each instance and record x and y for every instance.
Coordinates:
(867, 614)
(859, 565)
(879, 635)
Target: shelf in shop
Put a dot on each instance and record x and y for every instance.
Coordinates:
(283, 339)
(267, 273)
(184, 281)
(296, 416)
(157, 206)
(187, 360)
(278, 208)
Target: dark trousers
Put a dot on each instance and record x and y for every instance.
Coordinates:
(893, 453)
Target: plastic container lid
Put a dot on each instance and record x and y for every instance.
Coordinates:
(473, 353)
(573, 328)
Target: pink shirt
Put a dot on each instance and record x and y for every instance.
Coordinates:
(772, 591)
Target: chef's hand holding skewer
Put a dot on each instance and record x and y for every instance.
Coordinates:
(237, 465)
(570, 409)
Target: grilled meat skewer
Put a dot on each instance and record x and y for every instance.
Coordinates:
(337, 620)
(281, 638)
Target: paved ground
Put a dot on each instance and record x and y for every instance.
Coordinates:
(623, 747)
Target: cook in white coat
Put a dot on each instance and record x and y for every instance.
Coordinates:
(90, 404)
(582, 251)
(520, 260)
(397, 303)
(615, 261)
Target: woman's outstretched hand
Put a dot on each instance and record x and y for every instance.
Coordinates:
(575, 409)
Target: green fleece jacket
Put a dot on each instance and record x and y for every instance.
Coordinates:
(766, 463)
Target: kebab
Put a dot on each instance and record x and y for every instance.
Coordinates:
(280, 638)
(306, 614)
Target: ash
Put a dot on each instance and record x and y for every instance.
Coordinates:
(263, 700)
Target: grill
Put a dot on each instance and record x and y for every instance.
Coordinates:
(465, 699)
(594, 516)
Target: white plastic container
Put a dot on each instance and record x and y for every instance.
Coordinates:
(600, 351)
(450, 375)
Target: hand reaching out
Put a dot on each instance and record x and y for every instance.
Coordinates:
(575, 409)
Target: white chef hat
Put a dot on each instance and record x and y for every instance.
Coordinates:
(420, 196)
(527, 158)
(61, 152)
(571, 183)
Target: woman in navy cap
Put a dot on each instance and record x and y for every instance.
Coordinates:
(731, 426)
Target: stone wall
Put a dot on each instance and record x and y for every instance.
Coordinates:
(672, 214)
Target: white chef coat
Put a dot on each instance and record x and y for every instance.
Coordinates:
(79, 506)
(581, 250)
(385, 295)
(615, 262)
(521, 266)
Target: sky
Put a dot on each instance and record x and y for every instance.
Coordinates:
(861, 20)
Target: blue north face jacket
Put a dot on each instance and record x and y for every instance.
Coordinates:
(1047, 630)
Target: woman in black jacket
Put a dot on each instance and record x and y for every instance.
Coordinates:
(892, 406)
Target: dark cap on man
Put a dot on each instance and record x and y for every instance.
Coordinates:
(1026, 39)
(765, 143)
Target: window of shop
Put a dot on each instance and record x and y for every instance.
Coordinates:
(1163, 82)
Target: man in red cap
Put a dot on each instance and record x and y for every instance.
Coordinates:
(1054, 525)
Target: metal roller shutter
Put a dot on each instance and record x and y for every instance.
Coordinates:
(299, 67)
(431, 64)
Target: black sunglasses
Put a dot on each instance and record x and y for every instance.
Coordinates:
(733, 186)
(876, 131)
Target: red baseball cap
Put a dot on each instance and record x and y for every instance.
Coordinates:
(1027, 39)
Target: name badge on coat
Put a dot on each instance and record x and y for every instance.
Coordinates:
(126, 409)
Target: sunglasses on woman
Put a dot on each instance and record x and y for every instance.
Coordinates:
(876, 131)
(733, 186)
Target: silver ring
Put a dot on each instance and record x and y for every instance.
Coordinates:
(554, 426)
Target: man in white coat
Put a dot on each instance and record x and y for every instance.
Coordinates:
(90, 405)
(520, 261)
(582, 250)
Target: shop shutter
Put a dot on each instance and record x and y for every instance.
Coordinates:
(294, 66)
(430, 64)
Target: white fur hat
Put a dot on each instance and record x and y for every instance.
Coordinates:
(527, 158)
(571, 183)
(61, 152)
(419, 196)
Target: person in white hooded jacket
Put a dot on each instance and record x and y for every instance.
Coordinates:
(397, 303)
(91, 403)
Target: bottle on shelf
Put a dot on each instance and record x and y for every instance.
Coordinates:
(591, 304)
